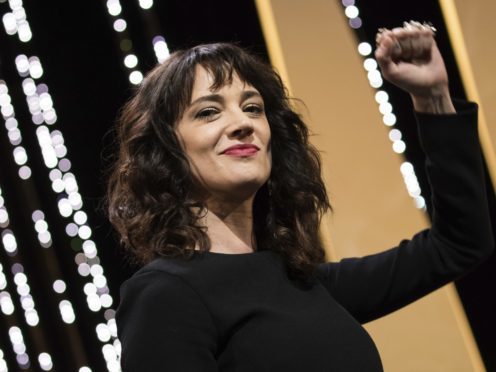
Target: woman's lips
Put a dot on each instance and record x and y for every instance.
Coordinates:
(241, 150)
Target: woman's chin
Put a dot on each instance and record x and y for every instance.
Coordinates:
(243, 188)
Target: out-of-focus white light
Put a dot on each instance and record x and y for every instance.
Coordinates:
(10, 123)
(46, 102)
(7, 110)
(370, 64)
(399, 146)
(37, 215)
(15, 335)
(22, 65)
(9, 241)
(19, 13)
(114, 7)
(89, 249)
(84, 369)
(58, 185)
(27, 302)
(59, 286)
(394, 135)
(84, 269)
(103, 332)
(420, 202)
(106, 300)
(100, 281)
(351, 11)
(71, 229)
(364, 49)
(24, 172)
(70, 184)
(49, 156)
(389, 119)
(4, 216)
(35, 69)
(24, 32)
(120, 25)
(32, 318)
(109, 352)
(28, 85)
(385, 108)
(6, 304)
(45, 361)
(374, 76)
(60, 151)
(406, 168)
(161, 49)
(20, 279)
(96, 270)
(355, 23)
(65, 208)
(41, 226)
(64, 165)
(10, 23)
(135, 77)
(131, 61)
(20, 155)
(80, 217)
(50, 117)
(67, 312)
(84, 232)
(14, 136)
(94, 303)
(89, 289)
(75, 200)
(146, 4)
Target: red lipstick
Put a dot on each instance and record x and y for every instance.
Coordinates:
(241, 150)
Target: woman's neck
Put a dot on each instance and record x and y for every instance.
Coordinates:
(230, 226)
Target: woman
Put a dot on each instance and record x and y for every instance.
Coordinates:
(218, 193)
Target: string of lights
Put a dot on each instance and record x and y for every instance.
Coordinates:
(64, 184)
(158, 41)
(376, 81)
(40, 225)
(14, 134)
(3, 363)
(9, 243)
(114, 9)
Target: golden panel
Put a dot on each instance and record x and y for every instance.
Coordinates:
(321, 62)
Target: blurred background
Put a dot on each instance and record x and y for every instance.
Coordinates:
(67, 67)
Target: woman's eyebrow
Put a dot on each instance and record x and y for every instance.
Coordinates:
(246, 94)
(209, 97)
(249, 94)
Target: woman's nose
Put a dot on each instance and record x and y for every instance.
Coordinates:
(241, 127)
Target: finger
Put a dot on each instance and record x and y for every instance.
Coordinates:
(425, 46)
(386, 42)
(419, 46)
(422, 42)
(405, 37)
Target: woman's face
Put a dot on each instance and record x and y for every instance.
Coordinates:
(226, 137)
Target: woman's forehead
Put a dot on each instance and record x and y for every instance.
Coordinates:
(205, 82)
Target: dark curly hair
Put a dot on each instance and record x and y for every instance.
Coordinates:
(149, 187)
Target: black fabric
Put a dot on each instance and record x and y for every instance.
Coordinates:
(224, 312)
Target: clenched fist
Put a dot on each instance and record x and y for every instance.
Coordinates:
(410, 59)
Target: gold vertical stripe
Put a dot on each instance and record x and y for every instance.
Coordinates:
(271, 35)
(464, 328)
(453, 25)
(461, 54)
(273, 42)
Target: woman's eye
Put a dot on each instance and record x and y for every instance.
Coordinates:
(254, 109)
(206, 114)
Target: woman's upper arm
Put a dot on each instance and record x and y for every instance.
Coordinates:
(163, 325)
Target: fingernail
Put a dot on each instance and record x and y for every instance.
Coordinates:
(429, 26)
